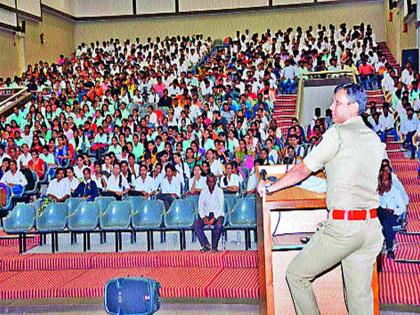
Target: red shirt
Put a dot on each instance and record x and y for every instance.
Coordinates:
(366, 69)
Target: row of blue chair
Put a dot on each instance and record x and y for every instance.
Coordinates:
(105, 214)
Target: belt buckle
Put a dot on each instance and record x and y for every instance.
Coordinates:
(346, 215)
(367, 216)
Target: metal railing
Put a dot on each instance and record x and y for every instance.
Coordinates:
(15, 93)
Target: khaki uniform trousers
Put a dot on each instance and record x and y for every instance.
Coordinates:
(355, 244)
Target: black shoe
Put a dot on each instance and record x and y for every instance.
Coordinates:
(214, 250)
(205, 249)
(305, 240)
(390, 254)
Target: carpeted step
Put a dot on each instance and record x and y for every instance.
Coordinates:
(407, 238)
(393, 145)
(408, 252)
(234, 283)
(413, 211)
(413, 226)
(190, 282)
(396, 155)
(413, 192)
(399, 288)
(158, 259)
(390, 265)
(406, 165)
(410, 180)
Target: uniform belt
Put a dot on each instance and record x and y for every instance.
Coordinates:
(353, 215)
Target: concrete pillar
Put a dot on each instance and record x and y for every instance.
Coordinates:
(20, 50)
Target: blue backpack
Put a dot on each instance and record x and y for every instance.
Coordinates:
(132, 296)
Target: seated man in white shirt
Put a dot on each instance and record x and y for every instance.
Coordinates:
(16, 180)
(408, 129)
(117, 185)
(211, 212)
(59, 189)
(143, 185)
(170, 186)
(71, 179)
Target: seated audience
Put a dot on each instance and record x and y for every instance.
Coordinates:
(211, 213)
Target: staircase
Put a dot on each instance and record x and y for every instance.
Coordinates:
(383, 47)
(285, 111)
(399, 279)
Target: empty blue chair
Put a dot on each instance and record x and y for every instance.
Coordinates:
(243, 217)
(72, 203)
(21, 220)
(53, 219)
(180, 216)
(194, 200)
(148, 218)
(116, 218)
(230, 202)
(135, 202)
(84, 219)
(103, 202)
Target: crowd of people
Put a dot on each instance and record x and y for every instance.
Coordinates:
(133, 118)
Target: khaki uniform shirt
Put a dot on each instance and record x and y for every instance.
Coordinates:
(351, 154)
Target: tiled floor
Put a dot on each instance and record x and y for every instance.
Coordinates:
(166, 309)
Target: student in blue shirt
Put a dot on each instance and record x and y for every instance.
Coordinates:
(87, 189)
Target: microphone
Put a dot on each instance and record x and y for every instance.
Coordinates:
(263, 174)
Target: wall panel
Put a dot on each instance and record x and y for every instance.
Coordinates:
(84, 8)
(58, 35)
(287, 2)
(157, 6)
(221, 25)
(8, 54)
(65, 6)
(203, 5)
(8, 18)
(30, 6)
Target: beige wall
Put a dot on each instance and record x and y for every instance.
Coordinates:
(396, 39)
(8, 53)
(58, 38)
(218, 26)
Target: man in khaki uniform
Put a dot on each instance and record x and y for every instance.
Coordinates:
(351, 154)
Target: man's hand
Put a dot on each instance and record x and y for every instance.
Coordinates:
(261, 188)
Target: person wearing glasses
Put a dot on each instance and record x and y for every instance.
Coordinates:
(351, 154)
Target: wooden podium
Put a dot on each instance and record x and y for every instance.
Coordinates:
(295, 212)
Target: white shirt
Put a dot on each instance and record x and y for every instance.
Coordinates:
(59, 188)
(216, 168)
(17, 179)
(114, 183)
(199, 184)
(23, 160)
(174, 187)
(408, 125)
(78, 173)
(211, 202)
(393, 200)
(233, 181)
(386, 122)
(73, 184)
(252, 181)
(98, 181)
(147, 185)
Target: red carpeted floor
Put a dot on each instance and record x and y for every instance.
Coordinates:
(187, 274)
